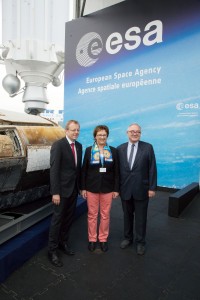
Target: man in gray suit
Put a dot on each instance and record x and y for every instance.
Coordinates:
(65, 167)
(138, 181)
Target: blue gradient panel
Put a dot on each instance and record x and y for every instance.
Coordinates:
(159, 88)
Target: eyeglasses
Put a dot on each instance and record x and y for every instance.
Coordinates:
(102, 135)
(74, 130)
(134, 131)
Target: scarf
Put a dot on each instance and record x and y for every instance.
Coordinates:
(95, 155)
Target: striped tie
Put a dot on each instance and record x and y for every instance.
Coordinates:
(131, 156)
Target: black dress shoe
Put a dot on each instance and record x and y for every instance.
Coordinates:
(125, 243)
(140, 249)
(54, 259)
(66, 249)
(104, 246)
(92, 246)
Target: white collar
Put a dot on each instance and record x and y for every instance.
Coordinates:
(70, 141)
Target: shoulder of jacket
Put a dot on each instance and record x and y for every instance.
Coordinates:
(88, 148)
(58, 142)
(112, 148)
(63, 141)
(141, 143)
(122, 145)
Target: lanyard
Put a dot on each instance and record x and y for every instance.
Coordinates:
(102, 159)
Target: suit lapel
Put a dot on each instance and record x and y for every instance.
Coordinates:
(78, 151)
(69, 150)
(124, 153)
(138, 156)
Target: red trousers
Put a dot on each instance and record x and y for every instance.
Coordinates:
(98, 203)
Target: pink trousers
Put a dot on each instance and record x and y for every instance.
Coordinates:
(98, 203)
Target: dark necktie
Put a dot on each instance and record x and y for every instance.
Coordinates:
(131, 156)
(73, 151)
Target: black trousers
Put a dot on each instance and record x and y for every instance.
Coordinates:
(61, 221)
(135, 215)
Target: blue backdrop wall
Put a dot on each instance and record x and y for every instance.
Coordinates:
(139, 62)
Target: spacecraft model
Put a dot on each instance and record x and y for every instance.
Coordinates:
(25, 143)
(32, 49)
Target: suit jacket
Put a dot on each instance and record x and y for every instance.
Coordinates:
(143, 175)
(64, 174)
(96, 182)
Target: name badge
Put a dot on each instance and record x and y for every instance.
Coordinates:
(102, 170)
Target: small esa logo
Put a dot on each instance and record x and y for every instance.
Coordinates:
(187, 109)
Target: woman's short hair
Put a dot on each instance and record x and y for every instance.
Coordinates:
(99, 128)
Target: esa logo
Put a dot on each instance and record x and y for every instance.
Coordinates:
(91, 45)
(181, 106)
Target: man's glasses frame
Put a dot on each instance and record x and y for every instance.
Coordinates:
(135, 131)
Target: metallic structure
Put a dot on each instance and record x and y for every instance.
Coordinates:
(25, 143)
(33, 48)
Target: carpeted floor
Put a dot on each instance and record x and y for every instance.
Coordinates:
(170, 269)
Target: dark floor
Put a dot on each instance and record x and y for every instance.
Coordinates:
(170, 268)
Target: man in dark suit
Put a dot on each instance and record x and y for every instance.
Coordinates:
(138, 181)
(65, 167)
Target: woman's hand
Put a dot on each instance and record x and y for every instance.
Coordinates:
(115, 195)
(84, 194)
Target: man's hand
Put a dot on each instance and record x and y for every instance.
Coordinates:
(56, 199)
(151, 194)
